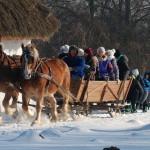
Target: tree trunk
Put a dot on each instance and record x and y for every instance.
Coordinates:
(92, 8)
(127, 11)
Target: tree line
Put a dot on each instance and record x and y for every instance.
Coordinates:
(120, 24)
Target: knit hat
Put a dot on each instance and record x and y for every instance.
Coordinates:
(80, 52)
(101, 49)
(89, 51)
(117, 53)
(73, 47)
(113, 50)
(135, 72)
(110, 54)
(64, 49)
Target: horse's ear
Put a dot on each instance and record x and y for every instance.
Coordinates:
(22, 46)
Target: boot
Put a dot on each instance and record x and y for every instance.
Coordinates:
(137, 106)
(133, 111)
(133, 108)
(144, 108)
(148, 106)
(141, 106)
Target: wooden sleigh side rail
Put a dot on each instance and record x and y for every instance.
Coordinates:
(101, 92)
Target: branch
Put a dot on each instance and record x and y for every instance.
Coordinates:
(141, 18)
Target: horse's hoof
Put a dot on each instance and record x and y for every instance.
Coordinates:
(10, 111)
(29, 113)
(36, 122)
(54, 119)
(15, 114)
(65, 116)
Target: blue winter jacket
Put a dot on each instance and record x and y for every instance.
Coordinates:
(146, 85)
(77, 64)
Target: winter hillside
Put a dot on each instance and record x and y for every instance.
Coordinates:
(126, 131)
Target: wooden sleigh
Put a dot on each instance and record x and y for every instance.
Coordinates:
(99, 95)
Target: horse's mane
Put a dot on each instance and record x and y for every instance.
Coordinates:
(32, 50)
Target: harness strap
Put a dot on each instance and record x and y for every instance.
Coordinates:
(45, 76)
(38, 65)
(50, 78)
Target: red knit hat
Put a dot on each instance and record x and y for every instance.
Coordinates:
(89, 51)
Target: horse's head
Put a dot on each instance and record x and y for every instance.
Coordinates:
(29, 59)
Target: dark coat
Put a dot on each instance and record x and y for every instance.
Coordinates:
(62, 56)
(122, 62)
(114, 75)
(136, 91)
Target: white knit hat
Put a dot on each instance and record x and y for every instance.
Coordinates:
(110, 52)
(135, 72)
(80, 52)
(101, 49)
(113, 50)
(64, 49)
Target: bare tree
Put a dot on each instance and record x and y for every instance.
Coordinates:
(125, 23)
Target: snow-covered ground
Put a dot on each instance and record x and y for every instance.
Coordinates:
(126, 131)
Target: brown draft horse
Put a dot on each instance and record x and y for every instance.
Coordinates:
(6, 76)
(44, 77)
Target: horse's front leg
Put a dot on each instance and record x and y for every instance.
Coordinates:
(13, 105)
(65, 107)
(25, 103)
(15, 98)
(53, 108)
(38, 111)
(6, 103)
